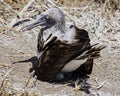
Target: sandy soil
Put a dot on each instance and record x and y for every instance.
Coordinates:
(22, 46)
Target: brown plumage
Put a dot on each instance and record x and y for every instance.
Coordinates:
(58, 53)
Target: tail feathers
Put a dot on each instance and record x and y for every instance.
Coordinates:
(92, 53)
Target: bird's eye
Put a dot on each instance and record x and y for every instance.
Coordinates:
(47, 17)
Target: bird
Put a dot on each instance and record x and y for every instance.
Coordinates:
(61, 51)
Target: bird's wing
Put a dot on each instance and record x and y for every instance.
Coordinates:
(56, 54)
(40, 42)
(55, 57)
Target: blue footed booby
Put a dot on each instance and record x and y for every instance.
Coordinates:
(61, 50)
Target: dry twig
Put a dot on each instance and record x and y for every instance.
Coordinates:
(101, 85)
(20, 14)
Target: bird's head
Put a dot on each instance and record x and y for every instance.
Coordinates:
(49, 18)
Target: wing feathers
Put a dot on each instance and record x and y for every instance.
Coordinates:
(56, 54)
(94, 52)
(54, 59)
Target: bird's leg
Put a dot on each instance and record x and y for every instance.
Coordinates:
(78, 85)
(81, 84)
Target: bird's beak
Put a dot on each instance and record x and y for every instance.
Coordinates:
(40, 21)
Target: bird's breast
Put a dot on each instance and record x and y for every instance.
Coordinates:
(73, 65)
